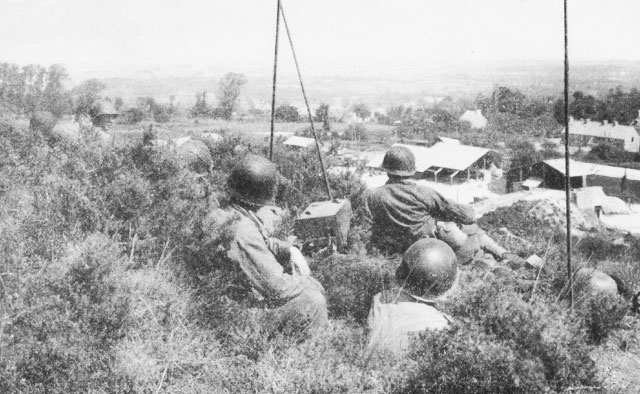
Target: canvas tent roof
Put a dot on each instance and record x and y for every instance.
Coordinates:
(303, 142)
(455, 157)
(578, 168)
(421, 154)
(442, 155)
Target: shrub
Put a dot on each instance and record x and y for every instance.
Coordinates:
(601, 315)
(469, 362)
(352, 281)
(132, 116)
(542, 336)
(60, 337)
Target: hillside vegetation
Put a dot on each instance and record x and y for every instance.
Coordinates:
(110, 283)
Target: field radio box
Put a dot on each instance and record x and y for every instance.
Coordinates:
(324, 223)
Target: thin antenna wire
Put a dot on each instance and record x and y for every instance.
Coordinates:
(567, 180)
(315, 136)
(273, 91)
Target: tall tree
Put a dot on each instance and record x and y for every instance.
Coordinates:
(55, 97)
(86, 94)
(361, 110)
(322, 115)
(229, 89)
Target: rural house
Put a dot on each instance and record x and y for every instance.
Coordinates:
(585, 132)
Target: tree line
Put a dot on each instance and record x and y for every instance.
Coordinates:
(617, 106)
(28, 89)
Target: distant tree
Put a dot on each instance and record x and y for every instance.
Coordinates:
(483, 103)
(287, 113)
(440, 116)
(523, 153)
(161, 113)
(361, 110)
(86, 94)
(12, 88)
(396, 113)
(507, 100)
(558, 111)
(322, 115)
(118, 103)
(229, 88)
(55, 97)
(32, 87)
(201, 108)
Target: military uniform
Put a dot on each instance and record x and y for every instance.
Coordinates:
(402, 212)
(295, 303)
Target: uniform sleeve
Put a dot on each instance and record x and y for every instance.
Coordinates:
(279, 248)
(249, 250)
(448, 210)
(368, 200)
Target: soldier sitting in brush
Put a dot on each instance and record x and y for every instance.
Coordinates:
(267, 272)
(402, 212)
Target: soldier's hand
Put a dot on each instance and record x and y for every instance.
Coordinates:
(298, 262)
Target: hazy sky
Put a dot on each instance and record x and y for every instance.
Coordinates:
(332, 37)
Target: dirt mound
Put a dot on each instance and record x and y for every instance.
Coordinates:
(553, 213)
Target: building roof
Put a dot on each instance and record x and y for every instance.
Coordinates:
(303, 142)
(597, 129)
(455, 157)
(449, 140)
(578, 168)
(441, 155)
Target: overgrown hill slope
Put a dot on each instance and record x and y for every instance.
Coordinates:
(109, 285)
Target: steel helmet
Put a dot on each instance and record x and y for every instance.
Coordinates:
(253, 180)
(103, 107)
(428, 268)
(399, 161)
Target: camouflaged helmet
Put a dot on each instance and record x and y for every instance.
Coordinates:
(399, 161)
(253, 180)
(428, 268)
(103, 108)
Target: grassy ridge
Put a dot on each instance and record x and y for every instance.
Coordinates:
(109, 284)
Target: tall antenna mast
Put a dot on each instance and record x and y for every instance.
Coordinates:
(567, 180)
(275, 73)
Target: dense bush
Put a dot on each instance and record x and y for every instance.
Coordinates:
(537, 344)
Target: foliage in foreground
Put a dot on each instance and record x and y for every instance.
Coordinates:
(106, 287)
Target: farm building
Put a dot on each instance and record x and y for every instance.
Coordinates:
(591, 133)
(443, 160)
(615, 181)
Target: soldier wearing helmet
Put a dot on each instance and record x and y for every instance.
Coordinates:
(403, 212)
(427, 272)
(272, 271)
(102, 114)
